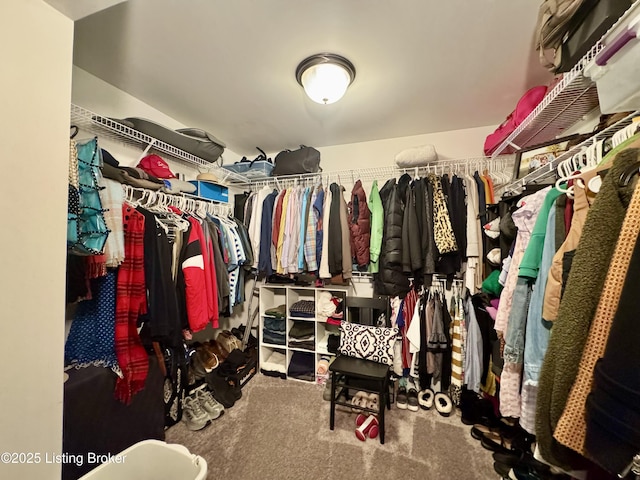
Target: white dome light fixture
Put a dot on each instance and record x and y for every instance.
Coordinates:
(325, 77)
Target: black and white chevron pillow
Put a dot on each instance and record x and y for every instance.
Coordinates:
(367, 342)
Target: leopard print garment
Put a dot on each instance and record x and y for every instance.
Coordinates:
(442, 230)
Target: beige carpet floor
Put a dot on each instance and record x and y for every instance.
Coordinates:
(279, 430)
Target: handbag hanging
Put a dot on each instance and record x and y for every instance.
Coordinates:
(297, 162)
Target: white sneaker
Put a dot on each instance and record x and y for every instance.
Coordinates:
(193, 415)
(210, 405)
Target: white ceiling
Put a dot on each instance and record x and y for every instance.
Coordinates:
(228, 67)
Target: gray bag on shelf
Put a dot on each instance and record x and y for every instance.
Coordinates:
(192, 140)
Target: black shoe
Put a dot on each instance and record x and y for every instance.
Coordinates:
(476, 410)
(401, 398)
(496, 442)
(523, 459)
(412, 400)
(523, 472)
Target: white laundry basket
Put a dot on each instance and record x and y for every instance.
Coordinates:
(152, 460)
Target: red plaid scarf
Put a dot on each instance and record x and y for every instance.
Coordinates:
(131, 301)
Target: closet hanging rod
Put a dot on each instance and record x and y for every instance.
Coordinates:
(176, 199)
(551, 167)
(385, 172)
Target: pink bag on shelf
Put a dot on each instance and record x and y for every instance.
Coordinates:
(527, 104)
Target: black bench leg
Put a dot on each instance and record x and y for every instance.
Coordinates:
(332, 414)
(381, 408)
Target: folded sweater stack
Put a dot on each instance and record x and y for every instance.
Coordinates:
(302, 366)
(303, 309)
(302, 335)
(274, 330)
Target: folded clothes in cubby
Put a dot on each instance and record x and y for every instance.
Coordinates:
(301, 329)
(303, 308)
(302, 366)
(275, 365)
(275, 325)
(279, 312)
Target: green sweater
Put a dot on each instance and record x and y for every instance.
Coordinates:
(377, 224)
(530, 263)
(578, 306)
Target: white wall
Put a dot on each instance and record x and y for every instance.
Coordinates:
(35, 88)
(454, 144)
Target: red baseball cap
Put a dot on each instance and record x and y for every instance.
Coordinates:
(156, 166)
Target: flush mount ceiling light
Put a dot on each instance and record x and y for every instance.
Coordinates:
(325, 77)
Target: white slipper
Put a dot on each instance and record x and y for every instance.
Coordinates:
(372, 401)
(443, 403)
(425, 399)
(361, 400)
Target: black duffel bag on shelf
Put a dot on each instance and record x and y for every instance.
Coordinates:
(297, 162)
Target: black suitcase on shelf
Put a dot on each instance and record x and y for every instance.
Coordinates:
(592, 20)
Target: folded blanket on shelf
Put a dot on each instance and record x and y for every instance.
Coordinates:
(306, 338)
(276, 362)
(279, 312)
(301, 329)
(302, 366)
(323, 343)
(275, 325)
(311, 345)
(273, 338)
(303, 308)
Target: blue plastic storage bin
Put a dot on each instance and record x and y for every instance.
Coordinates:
(257, 170)
(211, 191)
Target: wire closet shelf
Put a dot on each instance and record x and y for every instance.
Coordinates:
(550, 168)
(567, 103)
(451, 166)
(109, 128)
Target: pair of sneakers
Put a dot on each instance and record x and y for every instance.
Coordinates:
(365, 400)
(407, 400)
(199, 408)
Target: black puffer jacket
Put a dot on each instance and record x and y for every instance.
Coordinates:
(411, 251)
(390, 280)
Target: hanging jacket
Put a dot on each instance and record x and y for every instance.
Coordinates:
(318, 210)
(359, 225)
(335, 232)
(347, 265)
(377, 227)
(411, 243)
(431, 254)
(191, 278)
(390, 279)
